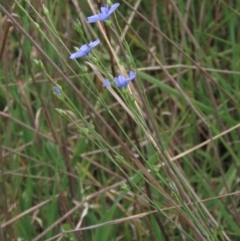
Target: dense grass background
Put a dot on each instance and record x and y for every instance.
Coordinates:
(54, 177)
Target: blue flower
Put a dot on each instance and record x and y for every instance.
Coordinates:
(121, 81)
(84, 50)
(104, 15)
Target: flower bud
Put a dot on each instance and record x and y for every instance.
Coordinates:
(91, 127)
(56, 90)
(37, 26)
(61, 112)
(45, 10)
(108, 22)
(77, 26)
(84, 69)
(132, 98)
(109, 3)
(124, 187)
(37, 62)
(85, 131)
(94, 60)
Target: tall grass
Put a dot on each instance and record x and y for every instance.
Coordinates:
(156, 160)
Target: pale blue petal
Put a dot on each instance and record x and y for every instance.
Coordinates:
(118, 84)
(120, 81)
(113, 8)
(94, 43)
(78, 54)
(104, 9)
(82, 52)
(93, 19)
(132, 75)
(85, 48)
(103, 17)
(106, 83)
